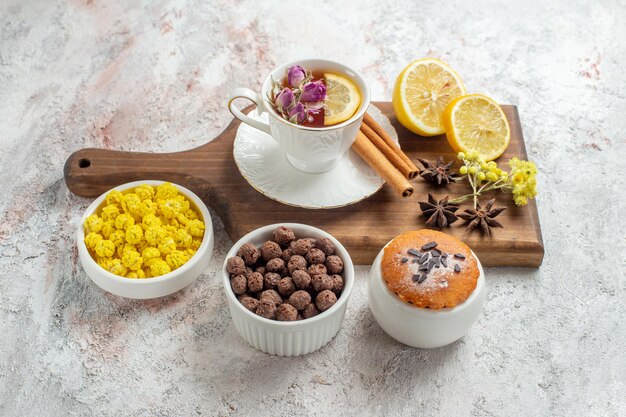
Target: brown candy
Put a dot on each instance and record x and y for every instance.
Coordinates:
(249, 253)
(309, 311)
(322, 282)
(270, 250)
(283, 236)
(302, 246)
(275, 265)
(317, 269)
(315, 256)
(238, 283)
(286, 255)
(267, 309)
(334, 264)
(299, 299)
(270, 280)
(302, 279)
(295, 263)
(236, 266)
(286, 287)
(325, 300)
(260, 269)
(249, 302)
(286, 312)
(337, 283)
(255, 282)
(325, 245)
(271, 295)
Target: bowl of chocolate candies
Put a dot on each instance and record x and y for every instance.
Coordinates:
(287, 287)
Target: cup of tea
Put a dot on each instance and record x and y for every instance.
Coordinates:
(315, 144)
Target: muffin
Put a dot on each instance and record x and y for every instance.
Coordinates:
(429, 269)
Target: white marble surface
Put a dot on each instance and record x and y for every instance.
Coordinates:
(154, 76)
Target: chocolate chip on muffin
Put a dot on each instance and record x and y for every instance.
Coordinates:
(271, 295)
(249, 302)
(270, 280)
(315, 256)
(236, 266)
(270, 250)
(317, 269)
(322, 282)
(302, 279)
(267, 308)
(299, 299)
(255, 282)
(275, 265)
(302, 246)
(286, 312)
(325, 300)
(249, 253)
(283, 236)
(334, 264)
(296, 262)
(239, 283)
(286, 287)
(325, 245)
(310, 311)
(337, 283)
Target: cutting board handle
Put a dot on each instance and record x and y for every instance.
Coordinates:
(91, 172)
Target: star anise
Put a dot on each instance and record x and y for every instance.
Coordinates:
(483, 217)
(438, 213)
(438, 172)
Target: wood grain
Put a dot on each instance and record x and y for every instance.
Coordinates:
(364, 228)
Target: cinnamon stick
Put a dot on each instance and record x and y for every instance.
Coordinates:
(373, 124)
(389, 153)
(377, 160)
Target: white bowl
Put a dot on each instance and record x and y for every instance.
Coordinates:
(422, 327)
(289, 338)
(150, 287)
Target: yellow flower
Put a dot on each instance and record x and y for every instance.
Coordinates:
(122, 249)
(165, 191)
(170, 208)
(110, 212)
(195, 244)
(150, 253)
(159, 267)
(115, 266)
(154, 234)
(118, 238)
(481, 176)
(150, 220)
(138, 274)
(144, 192)
(472, 170)
(107, 228)
(124, 221)
(114, 198)
(191, 215)
(195, 228)
(523, 179)
(190, 252)
(105, 248)
(167, 245)
(147, 207)
(92, 239)
(182, 238)
(93, 223)
(132, 260)
(131, 204)
(134, 234)
(461, 155)
(463, 170)
(491, 176)
(176, 259)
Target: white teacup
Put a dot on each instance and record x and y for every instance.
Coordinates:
(308, 149)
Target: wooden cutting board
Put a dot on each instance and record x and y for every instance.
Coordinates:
(364, 228)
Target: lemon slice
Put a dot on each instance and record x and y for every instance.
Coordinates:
(477, 123)
(422, 92)
(342, 99)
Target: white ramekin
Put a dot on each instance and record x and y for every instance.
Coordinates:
(149, 287)
(422, 327)
(289, 338)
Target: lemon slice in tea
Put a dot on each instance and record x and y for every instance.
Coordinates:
(342, 99)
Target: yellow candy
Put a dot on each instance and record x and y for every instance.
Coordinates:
(176, 259)
(93, 223)
(92, 239)
(195, 228)
(132, 260)
(105, 248)
(124, 221)
(134, 234)
(167, 245)
(110, 212)
(144, 192)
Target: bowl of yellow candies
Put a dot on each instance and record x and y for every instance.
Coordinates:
(145, 239)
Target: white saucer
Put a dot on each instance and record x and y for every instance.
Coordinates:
(263, 164)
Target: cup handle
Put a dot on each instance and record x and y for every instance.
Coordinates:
(242, 92)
